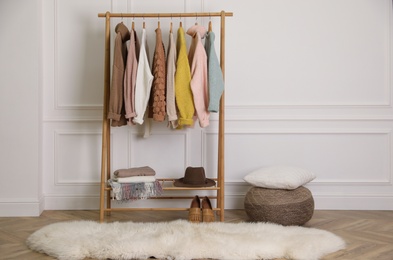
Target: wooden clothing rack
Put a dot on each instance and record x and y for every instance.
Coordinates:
(105, 191)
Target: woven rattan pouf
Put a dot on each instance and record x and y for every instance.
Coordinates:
(285, 207)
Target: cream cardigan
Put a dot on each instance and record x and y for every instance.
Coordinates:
(144, 80)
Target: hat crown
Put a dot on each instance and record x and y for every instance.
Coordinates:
(195, 176)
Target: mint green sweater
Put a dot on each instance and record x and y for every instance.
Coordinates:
(215, 77)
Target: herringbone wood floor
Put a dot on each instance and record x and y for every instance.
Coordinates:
(369, 234)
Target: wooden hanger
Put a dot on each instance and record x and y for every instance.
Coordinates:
(210, 26)
(170, 28)
(133, 25)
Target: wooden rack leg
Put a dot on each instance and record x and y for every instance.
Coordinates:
(108, 167)
(221, 134)
(105, 157)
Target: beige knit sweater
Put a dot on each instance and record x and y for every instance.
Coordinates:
(170, 83)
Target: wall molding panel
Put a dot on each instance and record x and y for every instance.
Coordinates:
(63, 45)
(349, 101)
(67, 149)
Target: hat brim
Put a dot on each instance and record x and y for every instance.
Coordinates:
(180, 183)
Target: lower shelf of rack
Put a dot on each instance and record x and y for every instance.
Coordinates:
(180, 188)
(153, 209)
(170, 181)
(167, 185)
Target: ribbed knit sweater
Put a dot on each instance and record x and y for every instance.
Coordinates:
(170, 83)
(157, 101)
(184, 100)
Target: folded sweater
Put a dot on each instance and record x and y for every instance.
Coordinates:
(135, 171)
(136, 179)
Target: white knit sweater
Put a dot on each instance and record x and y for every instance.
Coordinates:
(144, 79)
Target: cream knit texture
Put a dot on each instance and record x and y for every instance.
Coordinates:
(170, 83)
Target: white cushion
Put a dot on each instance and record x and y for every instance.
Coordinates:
(280, 177)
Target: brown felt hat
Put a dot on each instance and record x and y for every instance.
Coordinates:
(194, 177)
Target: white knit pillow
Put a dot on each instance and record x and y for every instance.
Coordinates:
(280, 177)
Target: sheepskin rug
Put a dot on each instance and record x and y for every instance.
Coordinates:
(181, 239)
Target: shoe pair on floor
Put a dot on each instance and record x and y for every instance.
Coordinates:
(198, 214)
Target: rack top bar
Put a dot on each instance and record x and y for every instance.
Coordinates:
(170, 15)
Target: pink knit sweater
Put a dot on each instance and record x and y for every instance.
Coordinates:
(198, 64)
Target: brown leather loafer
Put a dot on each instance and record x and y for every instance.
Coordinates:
(195, 213)
(207, 210)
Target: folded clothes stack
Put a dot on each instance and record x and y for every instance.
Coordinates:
(136, 171)
(135, 184)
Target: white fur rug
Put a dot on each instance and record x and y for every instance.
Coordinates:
(182, 240)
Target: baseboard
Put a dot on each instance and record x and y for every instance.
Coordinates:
(21, 207)
(232, 201)
(72, 202)
(353, 202)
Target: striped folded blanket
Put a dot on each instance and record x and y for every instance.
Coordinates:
(135, 190)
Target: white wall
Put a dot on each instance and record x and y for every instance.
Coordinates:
(308, 83)
(20, 101)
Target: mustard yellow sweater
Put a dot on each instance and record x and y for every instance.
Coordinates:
(183, 93)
